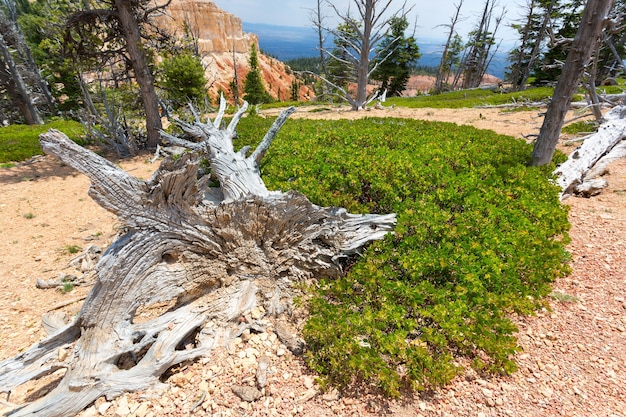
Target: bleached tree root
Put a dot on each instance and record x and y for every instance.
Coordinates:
(213, 254)
(578, 175)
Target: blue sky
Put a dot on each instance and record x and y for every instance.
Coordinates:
(428, 14)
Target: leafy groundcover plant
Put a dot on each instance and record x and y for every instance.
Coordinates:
(20, 142)
(480, 236)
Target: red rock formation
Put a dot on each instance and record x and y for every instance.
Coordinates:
(222, 44)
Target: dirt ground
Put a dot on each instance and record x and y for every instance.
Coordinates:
(573, 361)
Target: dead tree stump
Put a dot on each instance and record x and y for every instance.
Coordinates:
(213, 245)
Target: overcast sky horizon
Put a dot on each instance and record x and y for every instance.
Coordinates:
(428, 15)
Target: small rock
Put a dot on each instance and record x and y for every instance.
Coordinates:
(261, 372)
(487, 392)
(142, 410)
(257, 313)
(331, 395)
(482, 382)
(245, 336)
(280, 352)
(62, 354)
(546, 391)
(246, 393)
(122, 407)
(308, 382)
(307, 395)
(90, 412)
(252, 353)
(102, 408)
(293, 343)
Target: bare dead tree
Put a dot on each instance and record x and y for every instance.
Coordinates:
(445, 66)
(358, 47)
(318, 20)
(212, 252)
(479, 54)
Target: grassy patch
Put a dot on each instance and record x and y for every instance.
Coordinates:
(479, 236)
(587, 126)
(473, 98)
(20, 142)
(72, 249)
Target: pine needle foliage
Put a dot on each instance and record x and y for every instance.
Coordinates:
(253, 88)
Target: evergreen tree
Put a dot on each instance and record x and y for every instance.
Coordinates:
(397, 52)
(338, 67)
(566, 20)
(533, 33)
(253, 88)
(183, 79)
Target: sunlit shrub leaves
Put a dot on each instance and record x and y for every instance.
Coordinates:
(479, 236)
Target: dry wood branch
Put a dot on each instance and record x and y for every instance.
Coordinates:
(574, 172)
(212, 254)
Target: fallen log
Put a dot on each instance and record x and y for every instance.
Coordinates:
(578, 169)
(212, 252)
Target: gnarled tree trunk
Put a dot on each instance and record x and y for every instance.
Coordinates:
(213, 253)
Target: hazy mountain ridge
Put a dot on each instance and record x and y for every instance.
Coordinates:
(288, 42)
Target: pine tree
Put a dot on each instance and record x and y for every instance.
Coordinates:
(253, 88)
(400, 52)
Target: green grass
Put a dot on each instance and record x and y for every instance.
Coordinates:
(279, 104)
(72, 249)
(480, 236)
(472, 98)
(586, 126)
(20, 142)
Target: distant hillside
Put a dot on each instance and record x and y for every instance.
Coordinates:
(288, 42)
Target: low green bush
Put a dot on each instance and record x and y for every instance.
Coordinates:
(20, 142)
(480, 236)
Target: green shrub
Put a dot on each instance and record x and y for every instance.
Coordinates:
(479, 236)
(183, 79)
(20, 142)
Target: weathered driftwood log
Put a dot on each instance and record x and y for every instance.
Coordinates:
(578, 169)
(213, 253)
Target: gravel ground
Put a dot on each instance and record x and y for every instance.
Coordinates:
(572, 362)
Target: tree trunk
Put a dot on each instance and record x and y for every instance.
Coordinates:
(363, 68)
(214, 253)
(11, 77)
(132, 36)
(25, 52)
(594, 16)
(443, 70)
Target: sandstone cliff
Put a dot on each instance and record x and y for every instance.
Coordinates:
(224, 46)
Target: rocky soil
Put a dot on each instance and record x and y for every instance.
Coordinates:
(573, 361)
